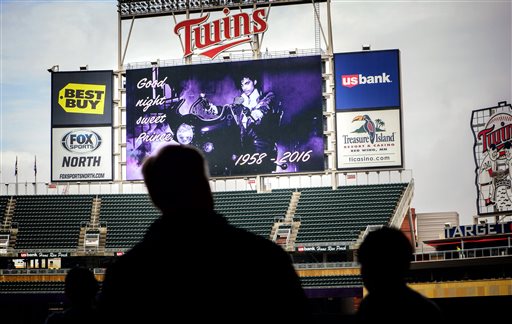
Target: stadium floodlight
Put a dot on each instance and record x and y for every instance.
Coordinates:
(133, 9)
(54, 68)
(367, 47)
(84, 67)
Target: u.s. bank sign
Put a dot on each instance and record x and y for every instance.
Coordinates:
(367, 80)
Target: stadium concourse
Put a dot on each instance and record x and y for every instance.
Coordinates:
(42, 236)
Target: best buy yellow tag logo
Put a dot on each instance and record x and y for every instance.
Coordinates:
(83, 98)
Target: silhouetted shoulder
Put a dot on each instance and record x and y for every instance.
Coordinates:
(402, 306)
(209, 267)
(80, 288)
(385, 256)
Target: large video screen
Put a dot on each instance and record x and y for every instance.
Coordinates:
(247, 117)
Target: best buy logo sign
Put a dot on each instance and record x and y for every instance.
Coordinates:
(83, 98)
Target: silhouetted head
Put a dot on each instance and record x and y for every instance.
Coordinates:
(385, 256)
(177, 179)
(80, 286)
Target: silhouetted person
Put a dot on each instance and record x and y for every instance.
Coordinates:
(385, 256)
(192, 265)
(80, 288)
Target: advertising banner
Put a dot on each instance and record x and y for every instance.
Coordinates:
(248, 117)
(478, 230)
(492, 132)
(82, 154)
(321, 248)
(82, 98)
(367, 80)
(369, 139)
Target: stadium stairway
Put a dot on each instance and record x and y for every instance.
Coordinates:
(8, 232)
(284, 231)
(93, 234)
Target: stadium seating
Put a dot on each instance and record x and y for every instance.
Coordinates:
(332, 281)
(20, 287)
(255, 212)
(341, 215)
(3, 204)
(50, 222)
(127, 217)
(47, 222)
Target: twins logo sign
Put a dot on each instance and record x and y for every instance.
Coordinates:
(212, 38)
(492, 130)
